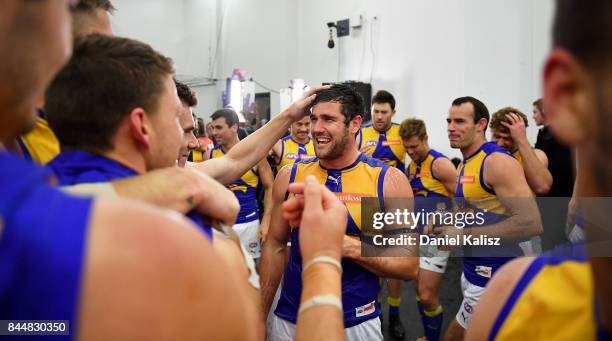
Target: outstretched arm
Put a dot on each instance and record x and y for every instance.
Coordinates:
(255, 147)
(275, 248)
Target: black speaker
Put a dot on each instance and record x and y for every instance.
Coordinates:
(365, 90)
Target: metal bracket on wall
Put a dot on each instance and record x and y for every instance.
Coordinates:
(343, 28)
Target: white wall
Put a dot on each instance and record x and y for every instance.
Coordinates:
(426, 52)
(429, 52)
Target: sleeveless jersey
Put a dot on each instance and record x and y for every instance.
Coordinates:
(428, 190)
(78, 167)
(40, 144)
(422, 178)
(245, 190)
(364, 178)
(292, 151)
(553, 300)
(43, 233)
(388, 146)
(473, 194)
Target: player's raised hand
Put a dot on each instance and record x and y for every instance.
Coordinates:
(321, 217)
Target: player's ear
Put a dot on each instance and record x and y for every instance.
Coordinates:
(355, 124)
(140, 127)
(569, 98)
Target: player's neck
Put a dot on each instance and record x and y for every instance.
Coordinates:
(424, 156)
(472, 148)
(347, 158)
(227, 146)
(300, 141)
(132, 160)
(128, 153)
(386, 129)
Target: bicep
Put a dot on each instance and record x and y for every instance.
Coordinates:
(399, 197)
(542, 157)
(506, 176)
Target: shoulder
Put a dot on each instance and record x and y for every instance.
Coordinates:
(167, 254)
(495, 298)
(497, 157)
(396, 183)
(541, 155)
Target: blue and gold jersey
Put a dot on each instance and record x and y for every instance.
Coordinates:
(40, 144)
(388, 146)
(364, 178)
(473, 194)
(422, 178)
(428, 190)
(43, 233)
(79, 167)
(245, 190)
(292, 151)
(553, 300)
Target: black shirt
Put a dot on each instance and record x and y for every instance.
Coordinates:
(559, 164)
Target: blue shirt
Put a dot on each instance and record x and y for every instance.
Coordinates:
(41, 246)
(77, 167)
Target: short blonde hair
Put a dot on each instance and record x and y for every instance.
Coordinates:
(412, 127)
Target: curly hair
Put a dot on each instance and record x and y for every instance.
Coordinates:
(501, 116)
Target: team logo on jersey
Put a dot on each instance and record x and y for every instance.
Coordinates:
(306, 156)
(365, 309)
(466, 179)
(371, 143)
(350, 198)
(484, 271)
(291, 156)
(391, 143)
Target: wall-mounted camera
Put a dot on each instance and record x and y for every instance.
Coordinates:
(342, 29)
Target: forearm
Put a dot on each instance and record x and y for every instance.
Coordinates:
(518, 227)
(140, 189)
(248, 152)
(322, 322)
(538, 176)
(268, 202)
(271, 270)
(392, 266)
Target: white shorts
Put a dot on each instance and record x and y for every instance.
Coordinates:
(282, 330)
(433, 259)
(249, 236)
(471, 296)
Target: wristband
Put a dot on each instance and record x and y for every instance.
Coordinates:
(322, 259)
(321, 300)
